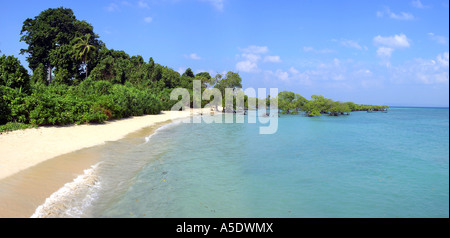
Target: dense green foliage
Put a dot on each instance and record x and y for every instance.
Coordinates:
(13, 74)
(291, 103)
(88, 102)
(50, 37)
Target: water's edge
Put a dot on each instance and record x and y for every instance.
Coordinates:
(72, 199)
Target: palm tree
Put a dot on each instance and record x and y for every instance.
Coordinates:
(84, 50)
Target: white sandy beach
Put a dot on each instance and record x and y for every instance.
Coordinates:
(23, 149)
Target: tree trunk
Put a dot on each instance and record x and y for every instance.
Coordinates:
(85, 65)
(49, 76)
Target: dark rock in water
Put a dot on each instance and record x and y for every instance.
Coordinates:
(165, 172)
(334, 114)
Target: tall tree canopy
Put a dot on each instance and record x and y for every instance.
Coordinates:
(47, 35)
(205, 77)
(290, 102)
(230, 80)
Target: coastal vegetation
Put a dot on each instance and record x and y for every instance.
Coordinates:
(292, 103)
(77, 79)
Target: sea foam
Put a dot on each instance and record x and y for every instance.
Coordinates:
(66, 201)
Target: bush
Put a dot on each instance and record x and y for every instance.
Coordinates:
(13, 105)
(13, 74)
(89, 102)
(5, 112)
(129, 101)
(51, 108)
(166, 103)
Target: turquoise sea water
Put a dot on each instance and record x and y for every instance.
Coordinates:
(393, 164)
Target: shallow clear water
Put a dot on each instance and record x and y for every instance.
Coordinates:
(392, 164)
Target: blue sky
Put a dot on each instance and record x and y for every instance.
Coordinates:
(365, 51)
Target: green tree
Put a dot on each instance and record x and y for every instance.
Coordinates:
(13, 74)
(4, 109)
(205, 77)
(49, 30)
(339, 108)
(157, 74)
(39, 75)
(114, 66)
(169, 78)
(289, 102)
(230, 80)
(316, 106)
(188, 73)
(62, 58)
(84, 50)
(104, 70)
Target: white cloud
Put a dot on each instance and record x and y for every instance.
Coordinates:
(363, 73)
(193, 56)
(384, 52)
(126, 3)
(425, 71)
(308, 49)
(396, 41)
(336, 70)
(247, 66)
(148, 19)
(250, 58)
(272, 59)
(443, 59)
(217, 4)
(387, 45)
(293, 70)
(321, 51)
(278, 75)
(112, 7)
(282, 75)
(402, 16)
(418, 4)
(253, 49)
(334, 73)
(352, 44)
(143, 4)
(439, 39)
(299, 77)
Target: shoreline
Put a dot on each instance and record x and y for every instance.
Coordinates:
(32, 158)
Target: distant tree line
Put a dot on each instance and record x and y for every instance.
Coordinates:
(292, 103)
